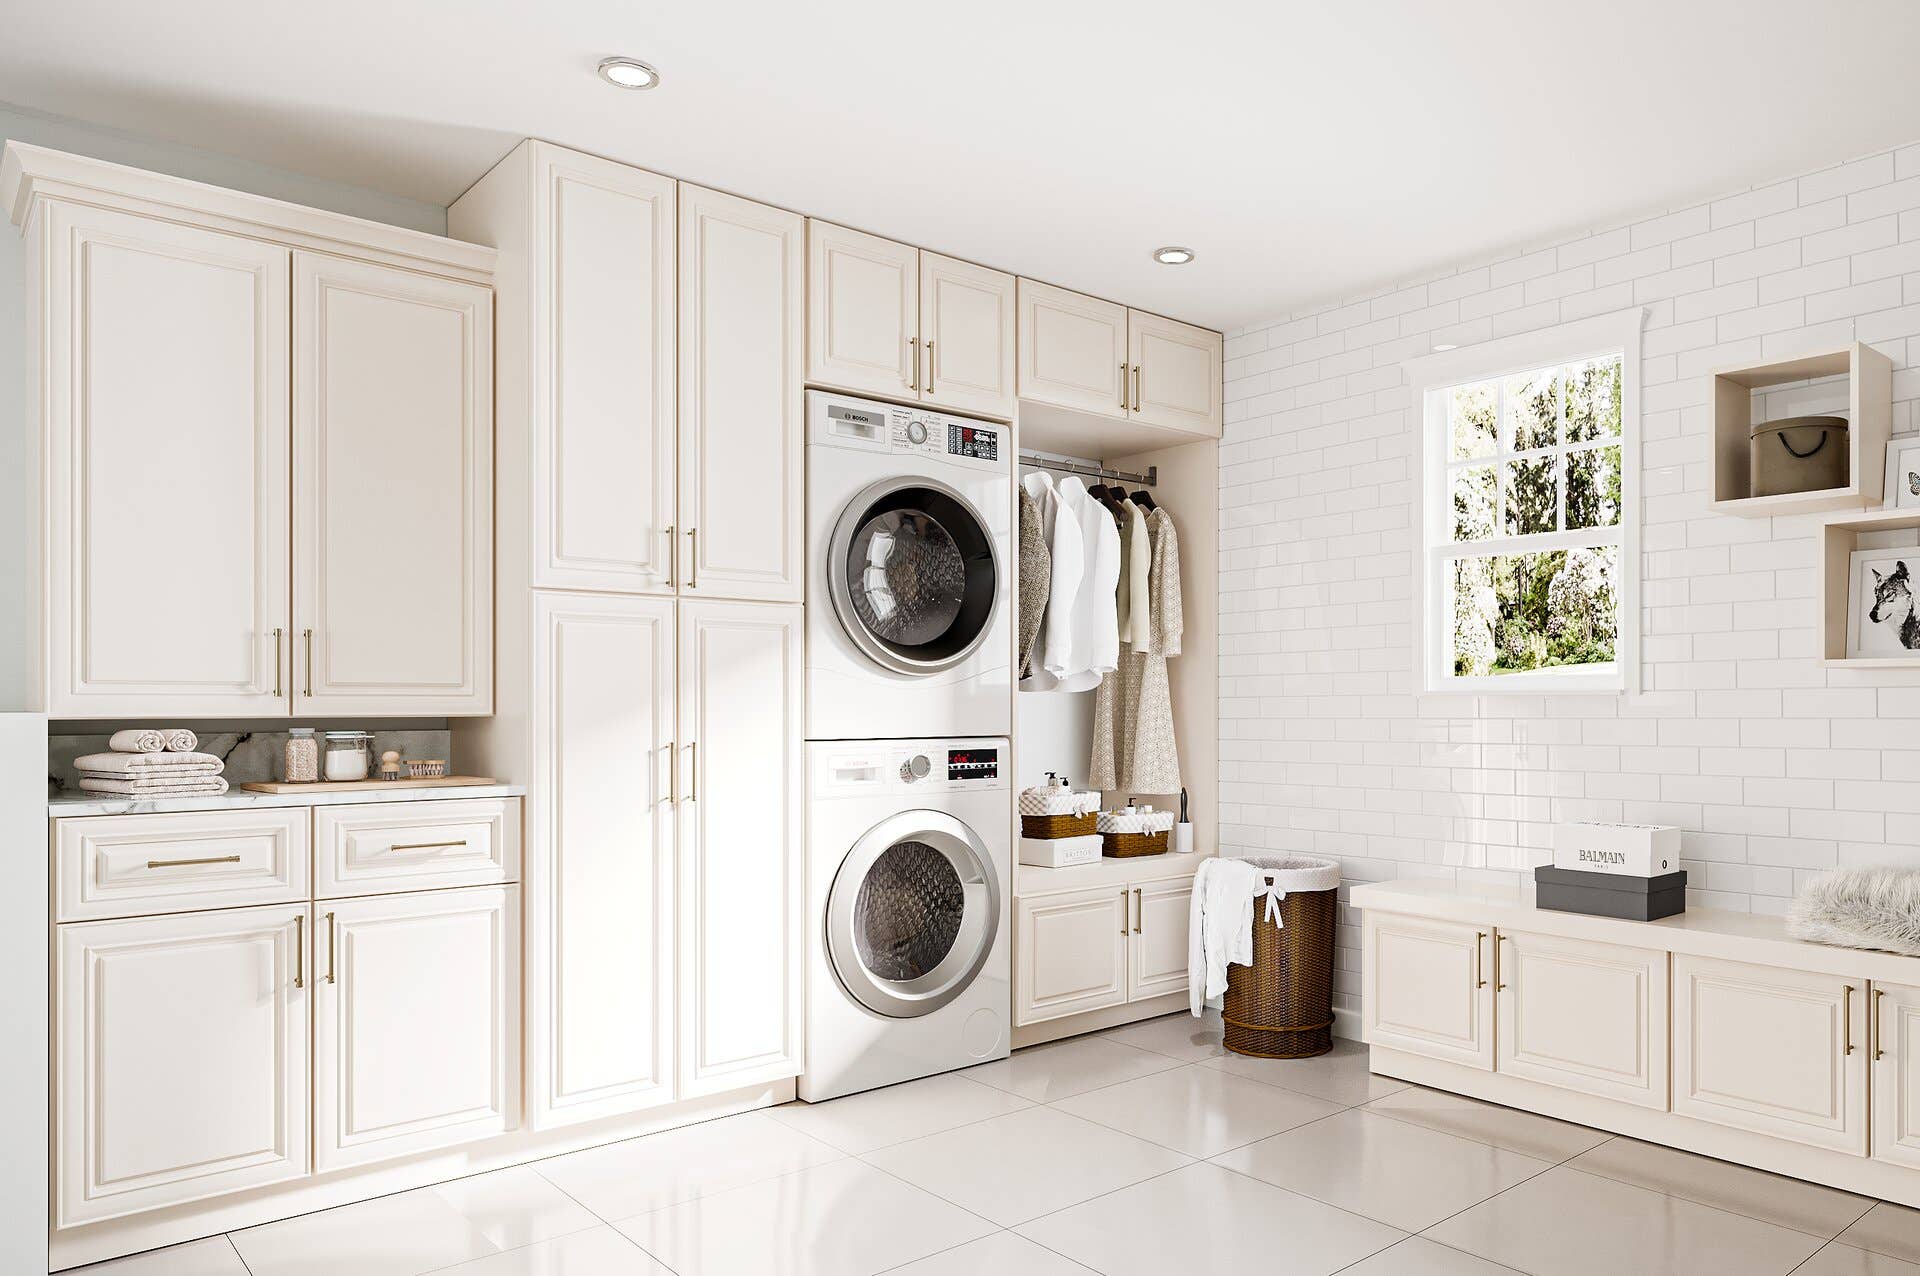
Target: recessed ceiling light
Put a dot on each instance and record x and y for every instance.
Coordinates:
(1173, 256)
(628, 73)
(1438, 346)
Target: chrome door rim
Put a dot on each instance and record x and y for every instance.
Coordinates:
(980, 919)
(852, 518)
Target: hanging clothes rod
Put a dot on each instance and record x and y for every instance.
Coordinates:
(1090, 469)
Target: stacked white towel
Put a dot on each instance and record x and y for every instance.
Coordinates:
(168, 773)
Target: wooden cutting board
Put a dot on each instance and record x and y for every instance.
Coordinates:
(350, 786)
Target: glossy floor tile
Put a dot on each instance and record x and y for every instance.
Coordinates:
(842, 1219)
(213, 1257)
(601, 1251)
(1509, 1128)
(1394, 1171)
(403, 1235)
(1017, 1167)
(1178, 1036)
(1197, 1110)
(896, 1113)
(1062, 1068)
(1807, 1207)
(1418, 1256)
(515, 1207)
(1001, 1254)
(1207, 1219)
(1844, 1260)
(623, 1179)
(1565, 1223)
(1888, 1229)
(1339, 1076)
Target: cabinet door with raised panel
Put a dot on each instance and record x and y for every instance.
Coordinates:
(1157, 951)
(165, 388)
(1425, 987)
(1896, 1073)
(1070, 952)
(742, 354)
(1073, 350)
(740, 883)
(863, 308)
(603, 384)
(1176, 374)
(416, 1026)
(393, 490)
(966, 325)
(1589, 1017)
(180, 1059)
(1775, 1051)
(598, 859)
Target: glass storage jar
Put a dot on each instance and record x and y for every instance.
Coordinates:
(349, 755)
(302, 756)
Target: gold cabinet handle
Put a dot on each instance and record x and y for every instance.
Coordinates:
(1479, 976)
(333, 929)
(1138, 910)
(1874, 1027)
(913, 362)
(426, 846)
(1123, 386)
(1846, 1015)
(299, 950)
(1125, 918)
(1136, 387)
(1497, 985)
(673, 555)
(673, 773)
(210, 859)
(693, 558)
(308, 633)
(931, 365)
(278, 636)
(693, 772)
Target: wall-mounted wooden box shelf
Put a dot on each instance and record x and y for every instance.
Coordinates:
(1870, 416)
(1839, 536)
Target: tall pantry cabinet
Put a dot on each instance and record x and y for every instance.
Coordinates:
(650, 355)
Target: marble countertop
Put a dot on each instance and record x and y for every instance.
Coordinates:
(234, 799)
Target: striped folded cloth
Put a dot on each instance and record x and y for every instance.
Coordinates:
(187, 786)
(131, 764)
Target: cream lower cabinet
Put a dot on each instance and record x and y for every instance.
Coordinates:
(180, 1058)
(1425, 987)
(1082, 950)
(1586, 1016)
(1775, 1051)
(416, 1025)
(1157, 947)
(1895, 1035)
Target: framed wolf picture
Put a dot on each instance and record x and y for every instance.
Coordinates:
(1883, 615)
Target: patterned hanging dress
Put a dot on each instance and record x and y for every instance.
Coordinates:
(1133, 742)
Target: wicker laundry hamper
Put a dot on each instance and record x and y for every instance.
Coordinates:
(1281, 1007)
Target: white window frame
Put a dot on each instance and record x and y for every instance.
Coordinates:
(1429, 377)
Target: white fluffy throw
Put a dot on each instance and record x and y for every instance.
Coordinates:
(1860, 908)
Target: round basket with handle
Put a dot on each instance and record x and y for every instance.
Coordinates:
(1281, 1007)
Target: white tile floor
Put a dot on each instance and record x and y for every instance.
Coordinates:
(1140, 1150)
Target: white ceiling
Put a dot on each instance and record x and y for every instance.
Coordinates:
(1308, 151)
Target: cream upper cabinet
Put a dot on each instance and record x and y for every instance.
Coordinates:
(742, 896)
(742, 358)
(180, 1059)
(599, 862)
(1776, 1051)
(863, 311)
(603, 367)
(416, 1032)
(1157, 951)
(1073, 350)
(1070, 952)
(1585, 1016)
(966, 330)
(1176, 379)
(1427, 987)
(165, 391)
(393, 491)
(1895, 1010)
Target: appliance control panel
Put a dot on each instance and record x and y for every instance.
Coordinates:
(856, 768)
(871, 425)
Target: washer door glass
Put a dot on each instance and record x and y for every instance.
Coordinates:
(913, 575)
(912, 914)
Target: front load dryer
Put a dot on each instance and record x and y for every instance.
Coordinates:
(910, 571)
(909, 865)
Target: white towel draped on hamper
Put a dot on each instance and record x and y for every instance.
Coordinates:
(1220, 918)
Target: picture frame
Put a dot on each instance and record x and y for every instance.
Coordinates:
(1883, 604)
(1902, 489)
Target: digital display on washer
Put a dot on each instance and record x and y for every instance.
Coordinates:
(973, 441)
(973, 764)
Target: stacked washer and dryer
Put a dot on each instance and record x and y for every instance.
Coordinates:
(909, 707)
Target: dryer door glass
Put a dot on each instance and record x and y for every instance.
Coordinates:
(913, 575)
(912, 914)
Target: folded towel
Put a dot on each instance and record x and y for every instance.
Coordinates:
(138, 741)
(175, 775)
(181, 740)
(147, 763)
(195, 786)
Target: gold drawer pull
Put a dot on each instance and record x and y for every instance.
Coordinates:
(299, 950)
(332, 939)
(211, 859)
(426, 846)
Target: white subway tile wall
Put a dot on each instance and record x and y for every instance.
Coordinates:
(1774, 765)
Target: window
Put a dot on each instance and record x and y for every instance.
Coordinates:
(1528, 508)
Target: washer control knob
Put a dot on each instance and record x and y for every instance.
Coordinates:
(915, 768)
(916, 432)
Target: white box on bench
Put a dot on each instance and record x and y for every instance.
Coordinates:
(1631, 850)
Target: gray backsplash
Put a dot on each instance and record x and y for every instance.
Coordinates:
(250, 755)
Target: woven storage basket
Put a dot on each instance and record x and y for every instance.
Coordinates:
(1124, 834)
(1053, 826)
(1281, 1007)
(1126, 845)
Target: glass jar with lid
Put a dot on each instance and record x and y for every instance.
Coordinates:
(349, 755)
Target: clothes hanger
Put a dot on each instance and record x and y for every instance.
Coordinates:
(1144, 500)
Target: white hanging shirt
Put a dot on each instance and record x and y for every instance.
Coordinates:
(1060, 530)
(1094, 621)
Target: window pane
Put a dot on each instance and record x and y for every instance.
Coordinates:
(1532, 503)
(1471, 414)
(1473, 494)
(1518, 613)
(1593, 400)
(1533, 408)
(1593, 488)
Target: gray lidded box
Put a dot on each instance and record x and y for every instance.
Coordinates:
(1640, 899)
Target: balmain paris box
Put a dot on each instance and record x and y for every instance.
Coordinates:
(1632, 850)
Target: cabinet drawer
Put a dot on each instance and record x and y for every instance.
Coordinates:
(414, 846)
(137, 865)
